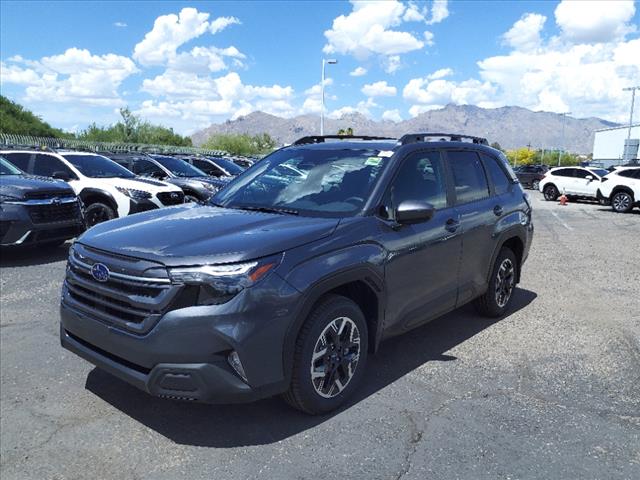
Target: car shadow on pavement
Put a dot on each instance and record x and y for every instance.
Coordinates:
(268, 421)
(31, 256)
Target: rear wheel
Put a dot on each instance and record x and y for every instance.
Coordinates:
(98, 213)
(496, 300)
(330, 356)
(550, 193)
(622, 202)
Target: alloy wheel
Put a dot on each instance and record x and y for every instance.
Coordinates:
(535, 184)
(621, 202)
(335, 357)
(550, 193)
(97, 215)
(505, 281)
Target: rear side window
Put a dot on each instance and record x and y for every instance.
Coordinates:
(501, 182)
(421, 178)
(563, 172)
(20, 160)
(630, 173)
(469, 178)
(46, 166)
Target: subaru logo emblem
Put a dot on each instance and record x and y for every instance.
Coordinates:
(100, 272)
(174, 195)
(55, 201)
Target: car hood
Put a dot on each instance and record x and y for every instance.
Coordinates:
(152, 186)
(19, 185)
(197, 234)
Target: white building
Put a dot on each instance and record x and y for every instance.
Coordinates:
(608, 144)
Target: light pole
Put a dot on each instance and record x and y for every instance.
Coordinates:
(564, 118)
(324, 62)
(627, 150)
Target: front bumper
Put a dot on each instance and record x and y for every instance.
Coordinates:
(18, 228)
(184, 356)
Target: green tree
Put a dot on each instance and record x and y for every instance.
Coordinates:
(241, 144)
(17, 120)
(346, 131)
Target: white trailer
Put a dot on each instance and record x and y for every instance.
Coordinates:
(608, 144)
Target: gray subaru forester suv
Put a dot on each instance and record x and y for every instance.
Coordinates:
(298, 269)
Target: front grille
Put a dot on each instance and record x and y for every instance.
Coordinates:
(45, 195)
(129, 299)
(171, 198)
(54, 212)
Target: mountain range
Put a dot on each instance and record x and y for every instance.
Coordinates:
(511, 127)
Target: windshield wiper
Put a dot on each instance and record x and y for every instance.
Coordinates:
(281, 211)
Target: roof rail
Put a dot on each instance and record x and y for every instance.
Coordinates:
(322, 138)
(453, 137)
(19, 146)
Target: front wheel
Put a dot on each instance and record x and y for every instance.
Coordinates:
(622, 202)
(496, 300)
(330, 356)
(551, 193)
(535, 185)
(98, 213)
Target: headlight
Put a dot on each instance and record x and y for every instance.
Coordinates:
(8, 198)
(210, 187)
(133, 193)
(219, 283)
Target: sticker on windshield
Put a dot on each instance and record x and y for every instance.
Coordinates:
(373, 161)
(385, 153)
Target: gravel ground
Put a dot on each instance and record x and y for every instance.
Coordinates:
(550, 391)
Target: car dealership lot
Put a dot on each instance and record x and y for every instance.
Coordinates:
(550, 391)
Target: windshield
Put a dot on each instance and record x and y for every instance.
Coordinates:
(178, 167)
(227, 165)
(7, 169)
(599, 171)
(333, 183)
(97, 166)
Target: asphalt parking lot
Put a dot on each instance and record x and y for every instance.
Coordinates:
(550, 391)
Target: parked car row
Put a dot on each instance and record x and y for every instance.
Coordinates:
(100, 186)
(620, 188)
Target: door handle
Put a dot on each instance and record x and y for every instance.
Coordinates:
(498, 210)
(452, 225)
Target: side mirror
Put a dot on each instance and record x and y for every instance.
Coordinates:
(62, 175)
(589, 177)
(414, 211)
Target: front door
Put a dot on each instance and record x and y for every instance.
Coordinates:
(422, 269)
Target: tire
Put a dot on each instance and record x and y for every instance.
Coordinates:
(327, 392)
(551, 193)
(191, 199)
(97, 213)
(622, 202)
(496, 300)
(535, 185)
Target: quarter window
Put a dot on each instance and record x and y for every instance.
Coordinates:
(500, 181)
(469, 178)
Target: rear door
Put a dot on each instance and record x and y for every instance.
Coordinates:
(478, 215)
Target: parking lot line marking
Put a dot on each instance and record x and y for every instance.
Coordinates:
(560, 220)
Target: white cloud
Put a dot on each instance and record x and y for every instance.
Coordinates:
(120, 24)
(524, 35)
(428, 38)
(221, 23)
(368, 30)
(443, 72)
(441, 92)
(414, 13)
(74, 76)
(392, 115)
(595, 21)
(358, 72)
(168, 33)
(313, 102)
(439, 11)
(379, 89)
(392, 63)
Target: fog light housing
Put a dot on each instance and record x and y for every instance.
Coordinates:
(236, 364)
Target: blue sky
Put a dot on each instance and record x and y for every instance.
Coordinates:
(188, 64)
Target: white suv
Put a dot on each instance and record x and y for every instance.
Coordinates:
(107, 189)
(621, 188)
(572, 181)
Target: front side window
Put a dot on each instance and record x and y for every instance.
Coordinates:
(315, 182)
(147, 168)
(97, 166)
(579, 173)
(469, 178)
(7, 169)
(420, 178)
(208, 168)
(179, 168)
(47, 165)
(228, 165)
(501, 182)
